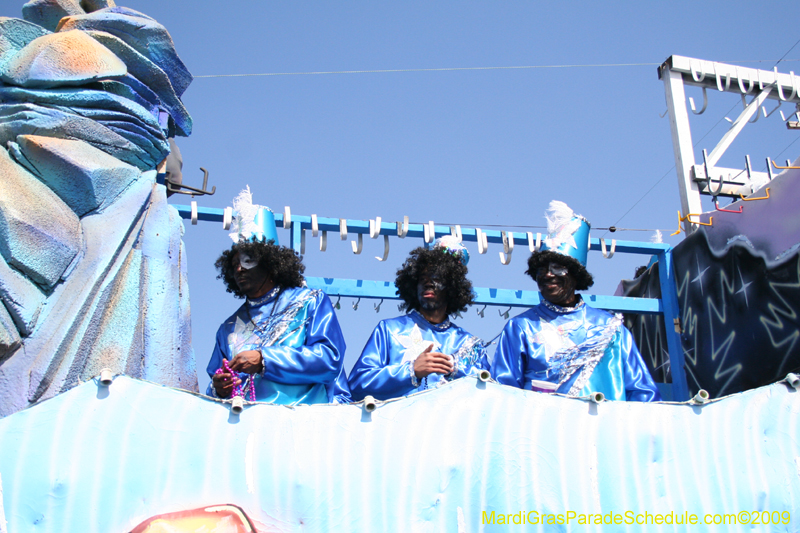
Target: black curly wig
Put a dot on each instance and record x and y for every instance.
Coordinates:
(435, 262)
(282, 265)
(583, 280)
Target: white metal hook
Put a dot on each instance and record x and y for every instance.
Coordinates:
(504, 314)
(482, 310)
(719, 79)
(323, 241)
(385, 249)
(740, 79)
(483, 242)
(378, 306)
(430, 232)
(755, 115)
(779, 86)
(508, 247)
(455, 231)
(705, 103)
(357, 247)
(402, 229)
(603, 248)
(287, 217)
(227, 218)
(355, 304)
(769, 169)
(314, 226)
(374, 228)
(697, 77)
(343, 229)
(194, 213)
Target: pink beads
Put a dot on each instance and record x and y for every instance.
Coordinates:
(242, 390)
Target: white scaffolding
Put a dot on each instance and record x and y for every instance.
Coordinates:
(706, 177)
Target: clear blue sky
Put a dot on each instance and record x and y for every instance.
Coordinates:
(469, 147)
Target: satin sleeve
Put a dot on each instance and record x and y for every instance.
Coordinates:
(375, 375)
(318, 360)
(215, 363)
(339, 391)
(639, 385)
(508, 366)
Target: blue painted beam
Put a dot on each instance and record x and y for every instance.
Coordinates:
(417, 230)
(358, 288)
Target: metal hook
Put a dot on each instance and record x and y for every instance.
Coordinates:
(302, 242)
(287, 217)
(227, 218)
(508, 247)
(754, 199)
(708, 177)
(779, 86)
(385, 249)
(378, 306)
(705, 103)
(338, 305)
(740, 78)
(314, 226)
(719, 79)
(482, 310)
(756, 116)
(455, 231)
(603, 248)
(402, 229)
(787, 167)
(357, 247)
(709, 223)
(355, 304)
(194, 213)
(483, 241)
(323, 241)
(504, 314)
(343, 229)
(176, 187)
(430, 232)
(718, 208)
(374, 228)
(695, 77)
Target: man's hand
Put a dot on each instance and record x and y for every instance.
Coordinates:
(224, 383)
(249, 362)
(430, 362)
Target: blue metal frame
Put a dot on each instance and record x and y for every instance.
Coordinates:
(666, 306)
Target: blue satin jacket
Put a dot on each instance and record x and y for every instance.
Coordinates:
(385, 368)
(301, 344)
(579, 350)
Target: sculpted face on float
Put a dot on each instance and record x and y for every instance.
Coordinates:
(251, 278)
(556, 284)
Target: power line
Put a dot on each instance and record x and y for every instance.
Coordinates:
(451, 69)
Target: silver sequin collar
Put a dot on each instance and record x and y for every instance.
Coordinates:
(264, 299)
(562, 310)
(438, 327)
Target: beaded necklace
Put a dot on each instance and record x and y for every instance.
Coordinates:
(242, 390)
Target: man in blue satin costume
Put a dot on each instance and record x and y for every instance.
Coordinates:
(422, 349)
(563, 345)
(285, 340)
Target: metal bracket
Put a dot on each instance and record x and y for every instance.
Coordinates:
(176, 187)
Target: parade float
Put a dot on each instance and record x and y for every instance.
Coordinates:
(103, 428)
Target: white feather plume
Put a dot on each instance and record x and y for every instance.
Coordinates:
(558, 214)
(657, 237)
(245, 225)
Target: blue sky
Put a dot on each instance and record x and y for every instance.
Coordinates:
(477, 147)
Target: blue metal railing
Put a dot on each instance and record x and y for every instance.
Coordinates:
(667, 306)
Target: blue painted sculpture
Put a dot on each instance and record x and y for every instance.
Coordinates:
(86, 110)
